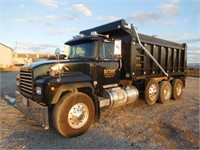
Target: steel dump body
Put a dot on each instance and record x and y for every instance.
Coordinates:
(136, 64)
(171, 56)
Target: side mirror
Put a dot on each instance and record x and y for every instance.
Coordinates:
(57, 51)
(117, 47)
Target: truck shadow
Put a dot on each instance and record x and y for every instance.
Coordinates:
(39, 139)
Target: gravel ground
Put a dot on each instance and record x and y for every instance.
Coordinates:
(134, 126)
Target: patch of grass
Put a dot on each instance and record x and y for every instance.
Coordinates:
(9, 69)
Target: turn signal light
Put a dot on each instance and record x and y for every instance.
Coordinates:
(52, 88)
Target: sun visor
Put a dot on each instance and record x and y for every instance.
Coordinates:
(107, 28)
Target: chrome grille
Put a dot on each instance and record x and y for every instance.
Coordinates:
(26, 83)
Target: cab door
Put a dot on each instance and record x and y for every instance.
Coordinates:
(106, 68)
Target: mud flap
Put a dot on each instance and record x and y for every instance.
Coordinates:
(31, 109)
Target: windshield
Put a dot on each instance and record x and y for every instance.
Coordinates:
(84, 50)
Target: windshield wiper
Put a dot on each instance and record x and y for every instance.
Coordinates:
(80, 57)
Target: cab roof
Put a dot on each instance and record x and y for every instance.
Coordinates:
(83, 39)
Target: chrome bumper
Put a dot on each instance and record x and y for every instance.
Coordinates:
(30, 108)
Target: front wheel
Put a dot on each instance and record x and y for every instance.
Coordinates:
(73, 114)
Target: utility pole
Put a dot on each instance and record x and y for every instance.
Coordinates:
(15, 53)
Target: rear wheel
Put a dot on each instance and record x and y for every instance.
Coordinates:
(73, 114)
(177, 89)
(151, 91)
(165, 92)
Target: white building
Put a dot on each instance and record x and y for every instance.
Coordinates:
(6, 56)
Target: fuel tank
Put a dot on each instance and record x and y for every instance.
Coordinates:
(119, 96)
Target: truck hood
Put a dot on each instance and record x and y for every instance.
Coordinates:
(50, 62)
(71, 65)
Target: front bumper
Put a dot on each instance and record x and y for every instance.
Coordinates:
(30, 108)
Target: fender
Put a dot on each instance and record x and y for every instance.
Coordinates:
(66, 87)
(67, 83)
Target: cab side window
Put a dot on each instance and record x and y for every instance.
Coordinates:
(106, 50)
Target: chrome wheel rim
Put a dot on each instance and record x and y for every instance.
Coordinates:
(153, 92)
(178, 89)
(78, 115)
(167, 92)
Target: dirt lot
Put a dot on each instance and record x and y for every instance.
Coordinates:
(134, 126)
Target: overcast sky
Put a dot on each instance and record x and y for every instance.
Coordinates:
(44, 25)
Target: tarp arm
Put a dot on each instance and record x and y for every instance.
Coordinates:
(133, 29)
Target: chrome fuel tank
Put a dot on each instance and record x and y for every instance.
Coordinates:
(121, 95)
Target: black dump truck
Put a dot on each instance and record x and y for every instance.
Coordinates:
(106, 66)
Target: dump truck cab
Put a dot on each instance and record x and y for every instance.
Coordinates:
(104, 65)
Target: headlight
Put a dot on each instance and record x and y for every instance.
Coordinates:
(38, 90)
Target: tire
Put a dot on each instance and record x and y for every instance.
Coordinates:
(151, 91)
(165, 92)
(73, 114)
(177, 89)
